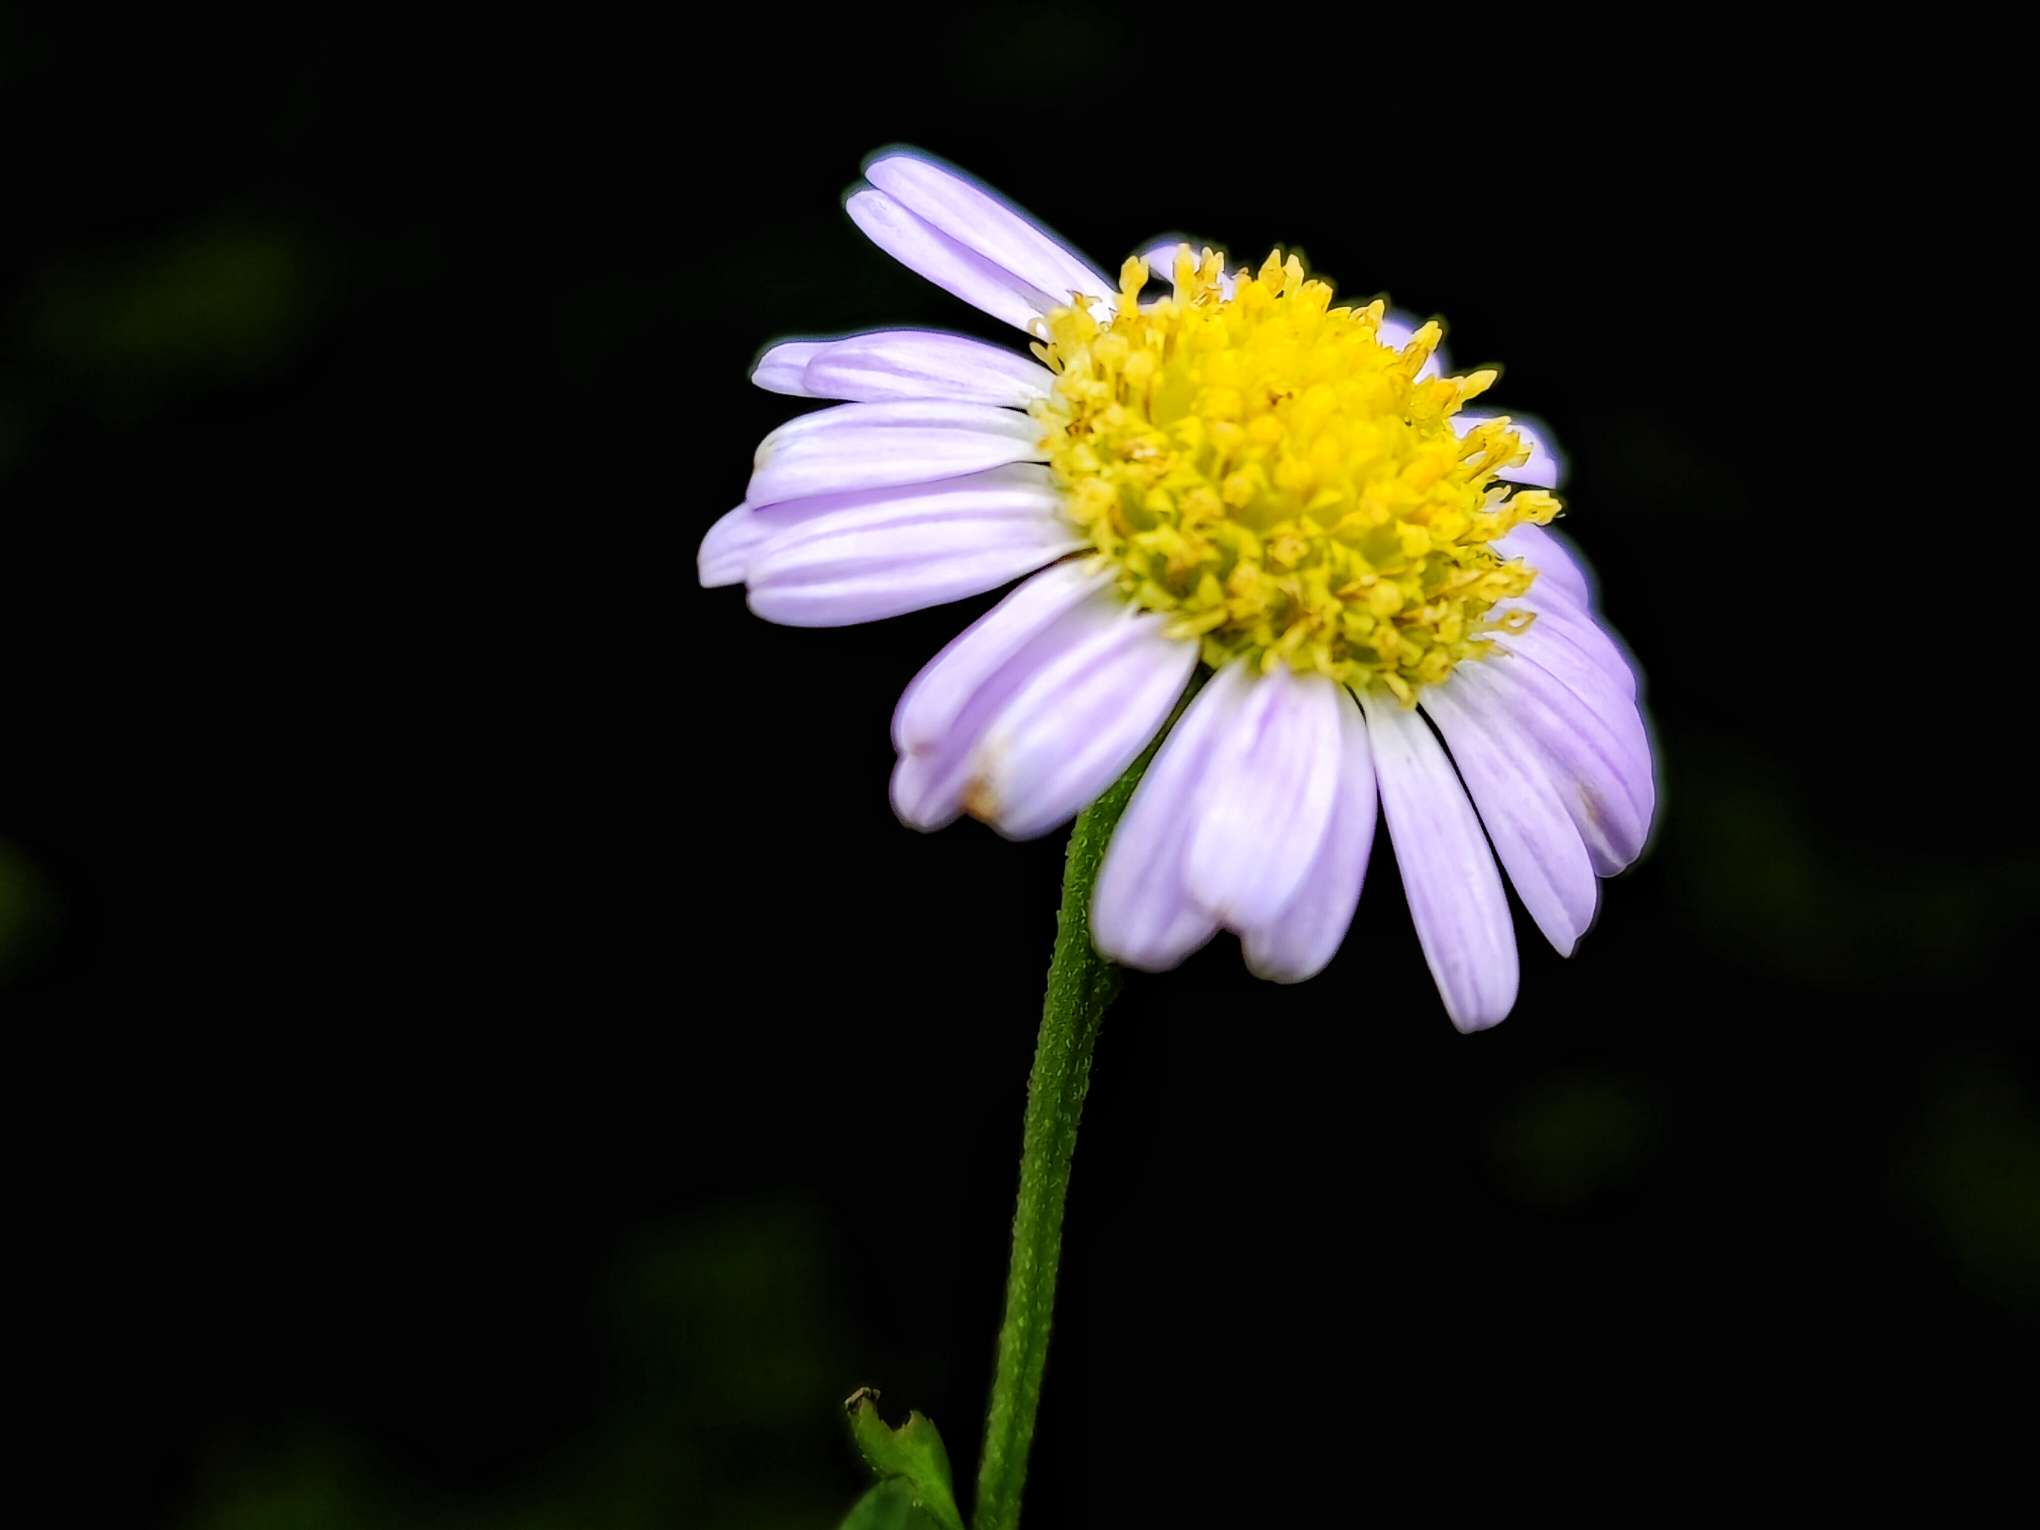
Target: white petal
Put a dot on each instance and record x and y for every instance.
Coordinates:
(1533, 834)
(985, 225)
(949, 265)
(870, 446)
(726, 549)
(782, 368)
(1545, 467)
(1267, 799)
(1559, 566)
(1077, 725)
(1300, 940)
(1141, 914)
(915, 364)
(1455, 894)
(935, 698)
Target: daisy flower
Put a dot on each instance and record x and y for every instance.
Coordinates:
(1238, 474)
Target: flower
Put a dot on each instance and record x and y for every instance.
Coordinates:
(1239, 474)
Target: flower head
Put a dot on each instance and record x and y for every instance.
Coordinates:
(1283, 481)
(1243, 475)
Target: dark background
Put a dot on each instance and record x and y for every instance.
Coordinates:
(484, 1052)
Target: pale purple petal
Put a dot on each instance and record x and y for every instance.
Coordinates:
(1011, 490)
(1297, 942)
(882, 445)
(1077, 725)
(930, 569)
(1591, 684)
(1014, 492)
(1604, 778)
(956, 270)
(1267, 799)
(1398, 329)
(1563, 634)
(1545, 467)
(837, 578)
(934, 699)
(1046, 618)
(927, 789)
(1559, 566)
(726, 549)
(1455, 894)
(782, 369)
(987, 226)
(915, 364)
(1533, 834)
(1566, 677)
(1141, 913)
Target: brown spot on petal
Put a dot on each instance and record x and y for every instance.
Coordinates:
(979, 800)
(1592, 806)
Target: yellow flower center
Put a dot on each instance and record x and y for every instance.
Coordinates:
(1269, 473)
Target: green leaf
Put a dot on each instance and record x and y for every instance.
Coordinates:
(911, 1454)
(889, 1506)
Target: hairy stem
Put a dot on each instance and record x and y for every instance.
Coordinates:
(1080, 984)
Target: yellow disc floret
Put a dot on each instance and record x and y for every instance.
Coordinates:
(1266, 471)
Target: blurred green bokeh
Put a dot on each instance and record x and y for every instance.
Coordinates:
(31, 914)
(1970, 1174)
(214, 302)
(723, 1364)
(1575, 1139)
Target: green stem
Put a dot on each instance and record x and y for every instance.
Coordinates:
(1080, 984)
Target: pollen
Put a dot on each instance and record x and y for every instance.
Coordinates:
(1263, 469)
